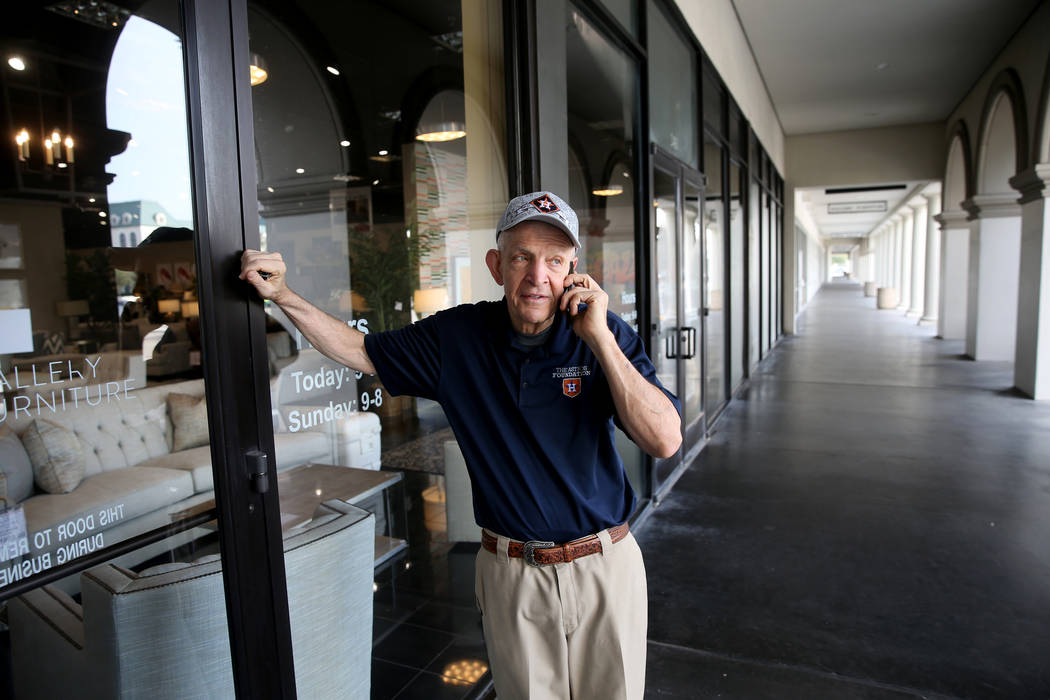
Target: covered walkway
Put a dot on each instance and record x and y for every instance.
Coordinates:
(870, 520)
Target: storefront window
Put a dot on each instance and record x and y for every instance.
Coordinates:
(103, 424)
(381, 166)
(673, 87)
(601, 140)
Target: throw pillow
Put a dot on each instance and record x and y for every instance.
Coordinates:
(15, 466)
(56, 456)
(189, 418)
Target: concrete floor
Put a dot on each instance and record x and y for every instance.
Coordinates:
(871, 519)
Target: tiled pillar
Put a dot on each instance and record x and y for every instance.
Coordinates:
(918, 256)
(995, 258)
(1032, 355)
(931, 292)
(907, 233)
(955, 270)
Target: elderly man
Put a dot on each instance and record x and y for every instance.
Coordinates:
(531, 386)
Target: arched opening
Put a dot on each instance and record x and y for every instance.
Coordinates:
(998, 149)
(955, 175)
(995, 233)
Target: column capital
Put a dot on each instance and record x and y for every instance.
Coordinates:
(951, 217)
(1033, 183)
(992, 206)
(932, 197)
(919, 203)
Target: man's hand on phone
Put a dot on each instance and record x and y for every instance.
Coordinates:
(265, 272)
(589, 321)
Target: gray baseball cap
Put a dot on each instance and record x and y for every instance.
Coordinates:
(541, 206)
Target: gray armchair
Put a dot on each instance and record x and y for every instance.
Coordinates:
(162, 634)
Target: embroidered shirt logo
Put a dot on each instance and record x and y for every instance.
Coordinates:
(545, 204)
(571, 387)
(569, 372)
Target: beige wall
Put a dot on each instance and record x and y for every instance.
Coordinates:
(716, 26)
(867, 156)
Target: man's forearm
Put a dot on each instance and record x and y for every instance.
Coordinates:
(645, 412)
(330, 336)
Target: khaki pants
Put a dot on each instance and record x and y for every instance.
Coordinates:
(563, 631)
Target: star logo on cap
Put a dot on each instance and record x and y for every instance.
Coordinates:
(544, 204)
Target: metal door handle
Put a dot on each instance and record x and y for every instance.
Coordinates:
(671, 339)
(690, 342)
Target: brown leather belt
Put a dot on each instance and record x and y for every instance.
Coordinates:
(538, 553)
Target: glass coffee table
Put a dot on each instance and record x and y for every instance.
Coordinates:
(303, 488)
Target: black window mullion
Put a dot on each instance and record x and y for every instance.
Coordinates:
(233, 347)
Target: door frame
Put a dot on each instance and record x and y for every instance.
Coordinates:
(693, 435)
(233, 343)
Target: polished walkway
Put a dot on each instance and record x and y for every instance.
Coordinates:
(871, 519)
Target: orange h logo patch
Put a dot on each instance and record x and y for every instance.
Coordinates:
(570, 387)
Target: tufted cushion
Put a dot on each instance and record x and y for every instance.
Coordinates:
(56, 456)
(115, 435)
(15, 467)
(189, 416)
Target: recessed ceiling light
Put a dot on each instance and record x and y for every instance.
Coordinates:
(17, 63)
(881, 66)
(92, 200)
(383, 152)
(102, 214)
(375, 182)
(344, 143)
(332, 69)
(300, 170)
(62, 165)
(269, 189)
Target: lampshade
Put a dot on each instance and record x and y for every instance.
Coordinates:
(168, 306)
(77, 307)
(428, 301)
(257, 69)
(191, 309)
(445, 131)
(607, 191)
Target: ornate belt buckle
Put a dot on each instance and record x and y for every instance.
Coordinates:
(528, 551)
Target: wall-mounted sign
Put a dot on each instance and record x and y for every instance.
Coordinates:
(857, 207)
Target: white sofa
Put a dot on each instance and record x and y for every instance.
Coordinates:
(131, 473)
(163, 633)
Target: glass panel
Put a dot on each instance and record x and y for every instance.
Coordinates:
(672, 85)
(601, 112)
(104, 423)
(714, 102)
(692, 311)
(736, 277)
(714, 271)
(665, 339)
(380, 182)
(766, 271)
(626, 11)
(754, 275)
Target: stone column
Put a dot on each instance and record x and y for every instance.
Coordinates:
(907, 231)
(995, 259)
(918, 256)
(895, 255)
(955, 270)
(931, 294)
(1032, 356)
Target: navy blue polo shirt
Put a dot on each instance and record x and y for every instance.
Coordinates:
(535, 427)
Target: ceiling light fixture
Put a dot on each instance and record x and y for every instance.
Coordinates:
(332, 69)
(344, 143)
(445, 131)
(300, 171)
(257, 70)
(607, 191)
(17, 63)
